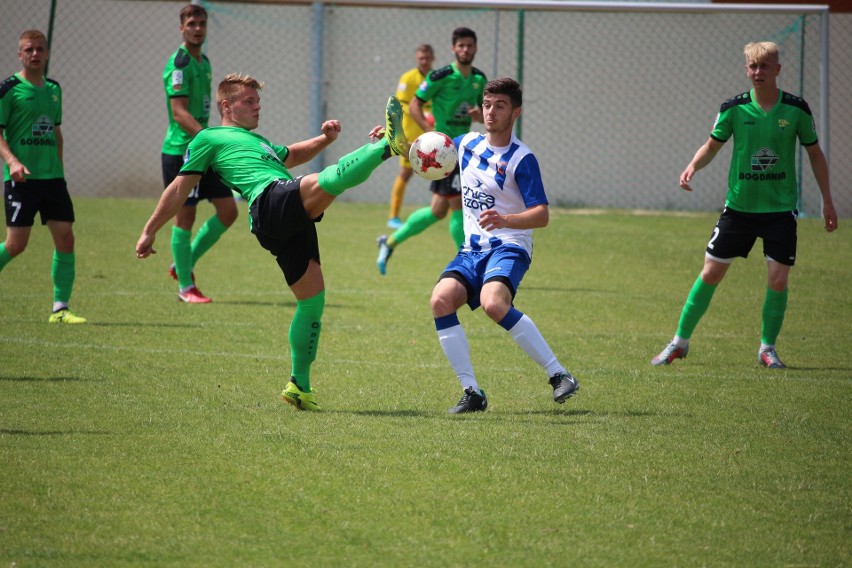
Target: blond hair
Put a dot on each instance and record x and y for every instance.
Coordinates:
(760, 50)
(31, 35)
(232, 85)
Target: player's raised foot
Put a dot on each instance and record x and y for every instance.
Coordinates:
(193, 296)
(173, 273)
(65, 316)
(564, 386)
(299, 399)
(670, 353)
(394, 133)
(769, 358)
(394, 223)
(471, 401)
(385, 253)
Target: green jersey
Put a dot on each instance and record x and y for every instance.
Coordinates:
(28, 116)
(185, 76)
(452, 95)
(762, 178)
(245, 162)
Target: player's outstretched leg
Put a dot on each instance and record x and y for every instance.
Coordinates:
(394, 133)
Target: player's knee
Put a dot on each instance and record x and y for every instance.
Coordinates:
(777, 283)
(16, 247)
(227, 215)
(64, 242)
(441, 304)
(495, 308)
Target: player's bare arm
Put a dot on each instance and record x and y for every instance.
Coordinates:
(535, 217)
(305, 151)
(415, 109)
(475, 114)
(171, 201)
(819, 166)
(702, 157)
(17, 171)
(181, 114)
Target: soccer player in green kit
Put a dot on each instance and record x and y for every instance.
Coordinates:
(456, 95)
(31, 147)
(282, 210)
(186, 80)
(762, 196)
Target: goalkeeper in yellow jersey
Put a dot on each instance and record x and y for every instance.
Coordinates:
(405, 90)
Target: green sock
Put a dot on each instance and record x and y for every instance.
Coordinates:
(5, 257)
(353, 168)
(304, 338)
(63, 272)
(774, 308)
(415, 224)
(696, 304)
(457, 227)
(182, 252)
(206, 237)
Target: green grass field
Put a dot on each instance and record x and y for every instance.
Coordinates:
(155, 435)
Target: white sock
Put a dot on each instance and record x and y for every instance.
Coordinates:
(527, 335)
(454, 343)
(680, 342)
(60, 306)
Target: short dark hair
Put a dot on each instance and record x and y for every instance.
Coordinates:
(508, 87)
(460, 33)
(191, 11)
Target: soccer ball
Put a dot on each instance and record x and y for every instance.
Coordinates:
(433, 156)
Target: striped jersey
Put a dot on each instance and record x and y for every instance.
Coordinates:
(507, 179)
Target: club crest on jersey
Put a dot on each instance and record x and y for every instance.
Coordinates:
(42, 127)
(271, 155)
(783, 123)
(764, 159)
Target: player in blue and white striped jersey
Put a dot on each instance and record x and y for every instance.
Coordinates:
(503, 200)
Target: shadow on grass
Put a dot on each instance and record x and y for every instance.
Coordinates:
(51, 432)
(796, 368)
(285, 304)
(566, 289)
(385, 413)
(137, 324)
(41, 379)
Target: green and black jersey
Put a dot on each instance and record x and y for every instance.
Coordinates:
(762, 178)
(185, 76)
(246, 162)
(452, 95)
(28, 116)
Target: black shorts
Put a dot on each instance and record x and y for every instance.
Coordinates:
(210, 186)
(450, 186)
(735, 233)
(49, 197)
(282, 227)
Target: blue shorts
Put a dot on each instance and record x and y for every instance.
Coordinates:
(507, 264)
